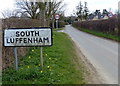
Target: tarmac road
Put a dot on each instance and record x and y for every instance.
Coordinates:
(102, 53)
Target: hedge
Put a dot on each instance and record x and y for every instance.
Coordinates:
(22, 23)
(8, 52)
(60, 24)
(109, 26)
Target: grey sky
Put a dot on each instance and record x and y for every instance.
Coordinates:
(92, 5)
(71, 4)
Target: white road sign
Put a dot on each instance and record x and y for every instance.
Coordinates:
(110, 15)
(28, 37)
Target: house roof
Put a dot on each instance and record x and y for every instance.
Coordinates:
(98, 16)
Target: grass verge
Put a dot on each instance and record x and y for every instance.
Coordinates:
(54, 29)
(100, 34)
(58, 66)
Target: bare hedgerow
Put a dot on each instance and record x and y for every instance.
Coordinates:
(106, 26)
(8, 52)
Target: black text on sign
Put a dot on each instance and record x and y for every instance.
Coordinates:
(28, 37)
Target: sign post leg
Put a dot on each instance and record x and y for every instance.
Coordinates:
(56, 26)
(41, 58)
(15, 53)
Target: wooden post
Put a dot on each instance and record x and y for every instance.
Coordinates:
(41, 56)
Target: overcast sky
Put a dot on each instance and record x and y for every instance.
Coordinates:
(92, 5)
(71, 4)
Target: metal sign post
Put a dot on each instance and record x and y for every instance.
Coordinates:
(15, 53)
(57, 17)
(56, 26)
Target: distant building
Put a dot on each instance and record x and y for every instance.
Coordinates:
(97, 17)
(71, 19)
(105, 17)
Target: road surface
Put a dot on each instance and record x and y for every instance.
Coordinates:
(102, 53)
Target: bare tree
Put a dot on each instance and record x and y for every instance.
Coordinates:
(53, 7)
(79, 12)
(9, 13)
(48, 9)
(35, 10)
(40, 10)
(82, 11)
(85, 12)
(28, 9)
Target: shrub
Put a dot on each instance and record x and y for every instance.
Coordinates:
(60, 24)
(8, 52)
(106, 26)
(22, 23)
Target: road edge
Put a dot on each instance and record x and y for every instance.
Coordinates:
(91, 76)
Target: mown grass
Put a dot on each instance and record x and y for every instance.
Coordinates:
(100, 34)
(58, 66)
